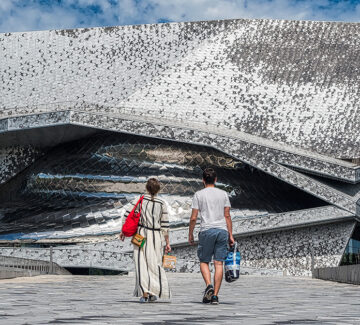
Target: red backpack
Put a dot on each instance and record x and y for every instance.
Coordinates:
(132, 221)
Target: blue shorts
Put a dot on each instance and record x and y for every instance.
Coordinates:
(213, 242)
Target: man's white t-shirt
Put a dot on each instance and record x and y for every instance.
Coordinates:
(211, 202)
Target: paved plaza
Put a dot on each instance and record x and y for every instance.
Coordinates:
(109, 300)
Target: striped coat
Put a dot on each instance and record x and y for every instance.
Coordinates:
(153, 225)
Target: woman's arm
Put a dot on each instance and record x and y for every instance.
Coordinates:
(167, 247)
(165, 227)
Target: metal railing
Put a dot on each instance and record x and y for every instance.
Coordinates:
(26, 266)
(50, 254)
(343, 273)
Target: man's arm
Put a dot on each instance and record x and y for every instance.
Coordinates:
(229, 225)
(194, 215)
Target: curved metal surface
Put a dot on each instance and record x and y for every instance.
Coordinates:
(86, 184)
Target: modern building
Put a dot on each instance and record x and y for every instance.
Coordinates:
(87, 115)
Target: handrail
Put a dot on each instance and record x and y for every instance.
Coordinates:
(62, 248)
(35, 266)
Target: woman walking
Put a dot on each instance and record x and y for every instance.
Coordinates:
(151, 281)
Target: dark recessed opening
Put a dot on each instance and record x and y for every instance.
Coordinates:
(94, 271)
(81, 185)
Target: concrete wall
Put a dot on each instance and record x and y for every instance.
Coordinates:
(9, 273)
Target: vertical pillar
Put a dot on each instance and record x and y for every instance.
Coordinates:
(312, 259)
(51, 271)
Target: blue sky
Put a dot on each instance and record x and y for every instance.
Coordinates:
(25, 15)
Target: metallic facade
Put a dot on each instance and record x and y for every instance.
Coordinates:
(273, 105)
(86, 182)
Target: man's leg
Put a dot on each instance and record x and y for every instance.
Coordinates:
(205, 272)
(218, 276)
(220, 252)
(205, 252)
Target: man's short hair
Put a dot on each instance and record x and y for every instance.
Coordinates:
(209, 175)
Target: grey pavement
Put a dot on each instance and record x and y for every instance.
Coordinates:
(109, 300)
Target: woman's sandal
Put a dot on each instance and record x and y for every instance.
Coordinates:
(143, 300)
(152, 298)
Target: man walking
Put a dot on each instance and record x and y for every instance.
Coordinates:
(213, 206)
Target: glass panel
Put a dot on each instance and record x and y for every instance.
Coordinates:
(352, 251)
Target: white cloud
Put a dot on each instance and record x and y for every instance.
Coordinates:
(22, 15)
(276, 9)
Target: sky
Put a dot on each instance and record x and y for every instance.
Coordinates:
(28, 15)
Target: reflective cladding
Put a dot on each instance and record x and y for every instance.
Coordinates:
(82, 187)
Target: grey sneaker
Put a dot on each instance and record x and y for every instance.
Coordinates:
(143, 300)
(209, 291)
(152, 298)
(214, 300)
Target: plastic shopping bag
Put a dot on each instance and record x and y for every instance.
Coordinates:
(232, 264)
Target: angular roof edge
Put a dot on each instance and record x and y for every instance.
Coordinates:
(184, 22)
